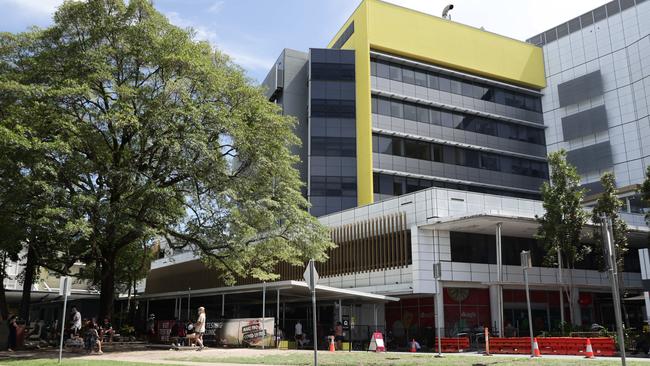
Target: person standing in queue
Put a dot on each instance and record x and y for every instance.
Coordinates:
(338, 335)
(200, 328)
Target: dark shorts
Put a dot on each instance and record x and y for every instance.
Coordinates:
(339, 338)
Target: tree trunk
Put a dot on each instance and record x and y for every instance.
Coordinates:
(107, 295)
(30, 270)
(4, 309)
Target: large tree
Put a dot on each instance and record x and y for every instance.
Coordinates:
(159, 134)
(561, 225)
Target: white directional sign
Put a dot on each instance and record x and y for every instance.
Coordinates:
(310, 275)
(65, 285)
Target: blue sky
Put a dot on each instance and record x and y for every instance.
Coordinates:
(254, 32)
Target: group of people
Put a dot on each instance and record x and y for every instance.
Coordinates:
(180, 333)
(336, 335)
(92, 333)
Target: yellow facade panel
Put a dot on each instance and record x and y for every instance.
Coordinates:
(403, 32)
(443, 42)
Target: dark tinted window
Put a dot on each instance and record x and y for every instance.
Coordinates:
(599, 13)
(383, 70)
(332, 108)
(325, 71)
(425, 150)
(472, 89)
(333, 146)
(408, 76)
(395, 185)
(417, 149)
(423, 114)
(463, 121)
(396, 109)
(420, 78)
(410, 111)
(395, 73)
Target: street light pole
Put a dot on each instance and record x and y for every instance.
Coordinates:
(610, 252)
(526, 263)
(559, 269)
(437, 274)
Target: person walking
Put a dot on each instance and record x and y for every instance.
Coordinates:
(13, 332)
(199, 328)
(76, 321)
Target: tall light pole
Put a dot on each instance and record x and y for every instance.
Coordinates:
(559, 269)
(610, 252)
(437, 274)
(526, 263)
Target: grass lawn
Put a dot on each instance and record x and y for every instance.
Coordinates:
(401, 359)
(70, 362)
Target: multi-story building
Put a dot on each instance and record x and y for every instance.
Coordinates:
(597, 97)
(389, 108)
(424, 143)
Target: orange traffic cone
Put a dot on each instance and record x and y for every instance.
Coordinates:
(413, 349)
(332, 349)
(536, 352)
(589, 353)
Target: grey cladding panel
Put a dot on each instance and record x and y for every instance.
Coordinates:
(580, 88)
(591, 158)
(584, 123)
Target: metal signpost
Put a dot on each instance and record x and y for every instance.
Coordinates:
(610, 251)
(311, 278)
(437, 274)
(526, 263)
(263, 313)
(64, 289)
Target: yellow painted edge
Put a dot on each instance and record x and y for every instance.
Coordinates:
(365, 194)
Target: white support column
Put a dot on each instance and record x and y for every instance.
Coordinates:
(497, 317)
(576, 317)
(498, 291)
(646, 298)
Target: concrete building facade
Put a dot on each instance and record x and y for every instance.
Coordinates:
(597, 98)
(424, 143)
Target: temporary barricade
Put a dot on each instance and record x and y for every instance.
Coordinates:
(452, 344)
(602, 346)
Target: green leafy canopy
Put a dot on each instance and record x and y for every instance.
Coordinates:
(152, 133)
(563, 220)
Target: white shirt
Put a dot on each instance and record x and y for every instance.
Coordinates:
(298, 329)
(76, 320)
(200, 324)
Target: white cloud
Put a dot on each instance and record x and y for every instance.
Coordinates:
(216, 7)
(19, 15)
(248, 60)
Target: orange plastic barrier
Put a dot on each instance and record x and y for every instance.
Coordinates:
(602, 346)
(452, 344)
